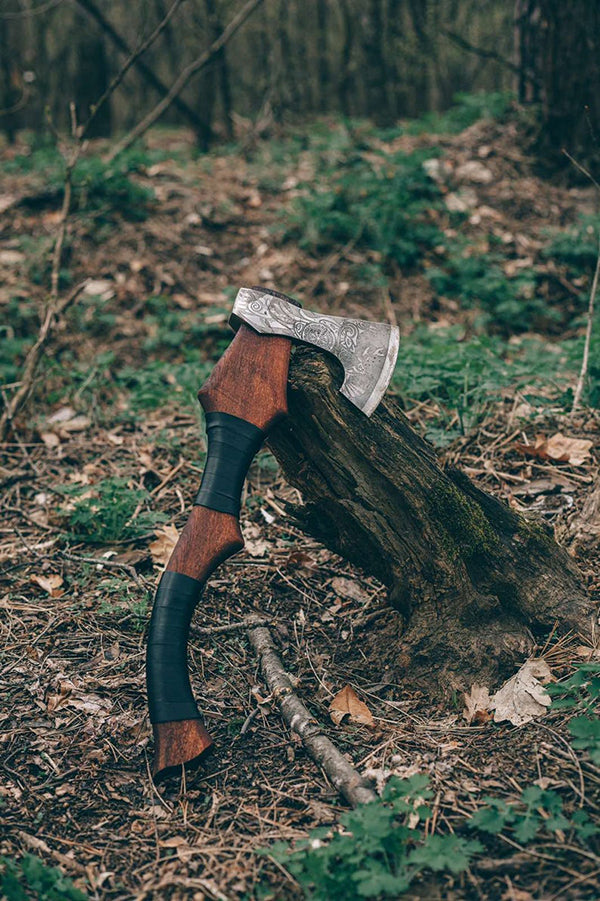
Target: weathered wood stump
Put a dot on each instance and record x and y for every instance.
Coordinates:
(475, 582)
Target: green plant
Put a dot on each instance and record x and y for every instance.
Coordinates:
(465, 111)
(463, 375)
(106, 512)
(382, 203)
(117, 600)
(581, 694)
(97, 187)
(511, 304)
(30, 878)
(536, 809)
(379, 850)
(576, 246)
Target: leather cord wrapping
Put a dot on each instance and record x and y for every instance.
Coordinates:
(232, 443)
(169, 692)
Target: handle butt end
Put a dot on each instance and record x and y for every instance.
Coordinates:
(178, 743)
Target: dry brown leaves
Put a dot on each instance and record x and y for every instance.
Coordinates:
(558, 449)
(346, 703)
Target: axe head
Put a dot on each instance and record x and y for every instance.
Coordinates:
(366, 350)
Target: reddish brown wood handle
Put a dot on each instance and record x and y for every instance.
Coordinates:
(249, 382)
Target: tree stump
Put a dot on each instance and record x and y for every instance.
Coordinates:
(476, 583)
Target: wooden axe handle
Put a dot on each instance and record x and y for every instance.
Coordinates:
(242, 399)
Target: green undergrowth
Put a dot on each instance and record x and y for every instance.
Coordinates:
(380, 849)
(110, 511)
(463, 376)
(466, 110)
(30, 879)
(97, 187)
(380, 203)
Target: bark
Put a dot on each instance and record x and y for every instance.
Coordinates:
(559, 47)
(376, 75)
(345, 83)
(475, 582)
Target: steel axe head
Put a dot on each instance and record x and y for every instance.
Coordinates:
(366, 350)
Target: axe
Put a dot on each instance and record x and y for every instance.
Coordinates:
(243, 398)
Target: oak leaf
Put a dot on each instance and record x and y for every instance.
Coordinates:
(346, 703)
(162, 548)
(523, 697)
(559, 449)
(477, 702)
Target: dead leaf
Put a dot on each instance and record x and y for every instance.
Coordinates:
(474, 171)
(50, 439)
(586, 652)
(523, 697)
(348, 588)
(559, 449)
(99, 287)
(11, 257)
(184, 851)
(161, 549)
(51, 584)
(516, 894)
(67, 694)
(61, 415)
(347, 704)
(574, 450)
(477, 702)
(254, 542)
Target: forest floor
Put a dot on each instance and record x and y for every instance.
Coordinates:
(100, 470)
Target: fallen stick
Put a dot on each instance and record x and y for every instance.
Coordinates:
(347, 781)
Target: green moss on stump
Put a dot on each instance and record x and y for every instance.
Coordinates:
(467, 532)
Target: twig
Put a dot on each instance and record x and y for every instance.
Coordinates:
(590, 311)
(131, 61)
(232, 627)
(53, 309)
(99, 561)
(342, 774)
(581, 168)
(145, 70)
(588, 338)
(180, 82)
(483, 53)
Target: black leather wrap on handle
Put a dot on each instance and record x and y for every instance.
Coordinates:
(169, 692)
(232, 444)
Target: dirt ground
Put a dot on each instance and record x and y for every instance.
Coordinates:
(74, 733)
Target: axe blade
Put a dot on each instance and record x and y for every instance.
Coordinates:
(367, 350)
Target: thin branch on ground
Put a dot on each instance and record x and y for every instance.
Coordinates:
(348, 781)
(588, 338)
(180, 82)
(590, 312)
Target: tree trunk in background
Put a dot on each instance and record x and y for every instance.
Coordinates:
(91, 81)
(562, 41)
(10, 93)
(527, 18)
(288, 94)
(345, 83)
(475, 582)
(322, 59)
(376, 76)
(222, 71)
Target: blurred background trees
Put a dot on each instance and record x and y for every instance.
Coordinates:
(381, 59)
